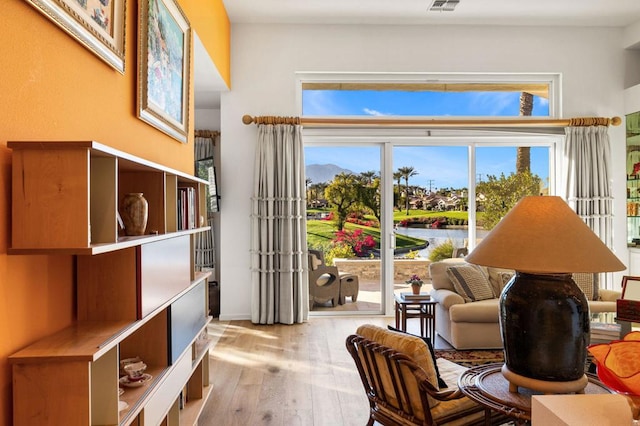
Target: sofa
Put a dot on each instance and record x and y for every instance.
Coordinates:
(466, 323)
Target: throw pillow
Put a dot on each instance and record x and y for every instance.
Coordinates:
(441, 383)
(470, 282)
(505, 277)
(588, 283)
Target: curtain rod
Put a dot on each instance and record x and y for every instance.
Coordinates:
(206, 133)
(408, 122)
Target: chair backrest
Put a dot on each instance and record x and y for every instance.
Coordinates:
(589, 283)
(395, 385)
(316, 258)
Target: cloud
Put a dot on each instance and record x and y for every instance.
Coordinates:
(542, 101)
(374, 112)
(319, 102)
(495, 103)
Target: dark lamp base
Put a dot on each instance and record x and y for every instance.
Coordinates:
(544, 321)
(546, 387)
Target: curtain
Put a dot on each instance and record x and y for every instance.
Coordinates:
(588, 192)
(280, 288)
(204, 255)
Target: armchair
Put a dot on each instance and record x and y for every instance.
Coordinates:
(402, 389)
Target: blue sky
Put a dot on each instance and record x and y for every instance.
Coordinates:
(438, 166)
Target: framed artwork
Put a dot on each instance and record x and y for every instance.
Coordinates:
(206, 170)
(630, 288)
(628, 306)
(97, 24)
(164, 46)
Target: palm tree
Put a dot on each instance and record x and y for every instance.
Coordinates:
(307, 182)
(368, 176)
(397, 176)
(406, 173)
(523, 155)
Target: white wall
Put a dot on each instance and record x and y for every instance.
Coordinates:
(264, 59)
(207, 119)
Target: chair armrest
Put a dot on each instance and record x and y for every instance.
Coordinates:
(609, 295)
(446, 298)
(426, 386)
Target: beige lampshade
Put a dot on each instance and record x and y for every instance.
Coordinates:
(543, 235)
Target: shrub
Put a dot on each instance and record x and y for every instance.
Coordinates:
(412, 254)
(441, 252)
(359, 243)
(341, 251)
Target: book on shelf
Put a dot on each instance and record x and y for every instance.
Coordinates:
(186, 208)
(411, 296)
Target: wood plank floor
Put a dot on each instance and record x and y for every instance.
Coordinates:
(286, 374)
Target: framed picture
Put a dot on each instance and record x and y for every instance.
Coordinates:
(630, 288)
(628, 306)
(206, 170)
(97, 24)
(164, 46)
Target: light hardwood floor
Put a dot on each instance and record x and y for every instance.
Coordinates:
(286, 374)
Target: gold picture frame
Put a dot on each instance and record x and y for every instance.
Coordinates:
(97, 24)
(164, 49)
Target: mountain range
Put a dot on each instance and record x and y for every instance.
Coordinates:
(319, 173)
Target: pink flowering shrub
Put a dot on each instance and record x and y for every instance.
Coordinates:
(360, 244)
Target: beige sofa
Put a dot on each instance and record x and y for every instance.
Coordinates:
(475, 325)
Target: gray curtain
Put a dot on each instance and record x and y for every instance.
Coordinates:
(588, 154)
(280, 288)
(204, 255)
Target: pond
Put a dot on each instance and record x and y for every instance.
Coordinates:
(439, 236)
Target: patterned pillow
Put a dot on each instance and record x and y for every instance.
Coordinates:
(470, 282)
(505, 277)
(588, 283)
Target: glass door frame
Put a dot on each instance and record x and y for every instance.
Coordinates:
(387, 139)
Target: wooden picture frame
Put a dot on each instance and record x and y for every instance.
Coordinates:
(628, 306)
(97, 24)
(164, 54)
(630, 288)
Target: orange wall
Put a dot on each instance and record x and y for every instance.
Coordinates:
(212, 25)
(53, 88)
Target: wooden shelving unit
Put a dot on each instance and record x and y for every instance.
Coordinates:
(136, 296)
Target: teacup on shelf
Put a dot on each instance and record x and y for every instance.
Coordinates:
(126, 362)
(135, 371)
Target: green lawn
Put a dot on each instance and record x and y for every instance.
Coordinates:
(321, 232)
(401, 215)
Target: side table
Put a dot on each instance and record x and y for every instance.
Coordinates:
(423, 309)
(486, 385)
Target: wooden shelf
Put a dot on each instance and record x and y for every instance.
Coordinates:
(136, 296)
(65, 197)
(123, 243)
(85, 341)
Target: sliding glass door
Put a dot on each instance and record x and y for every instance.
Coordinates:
(344, 228)
(381, 209)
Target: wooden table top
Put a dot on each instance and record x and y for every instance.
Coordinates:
(486, 385)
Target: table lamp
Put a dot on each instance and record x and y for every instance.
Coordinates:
(544, 316)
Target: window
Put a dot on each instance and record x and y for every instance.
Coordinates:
(432, 191)
(434, 96)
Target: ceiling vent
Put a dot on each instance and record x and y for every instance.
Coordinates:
(443, 5)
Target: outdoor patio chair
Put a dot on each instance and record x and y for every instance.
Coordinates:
(349, 283)
(324, 281)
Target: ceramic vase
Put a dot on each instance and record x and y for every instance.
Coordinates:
(134, 211)
(416, 289)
